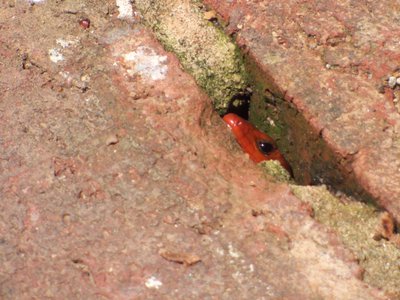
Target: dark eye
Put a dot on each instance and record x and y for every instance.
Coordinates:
(265, 147)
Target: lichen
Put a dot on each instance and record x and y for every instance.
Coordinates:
(202, 48)
(275, 169)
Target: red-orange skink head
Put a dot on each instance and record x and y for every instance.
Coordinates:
(257, 144)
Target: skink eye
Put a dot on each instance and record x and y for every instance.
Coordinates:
(265, 147)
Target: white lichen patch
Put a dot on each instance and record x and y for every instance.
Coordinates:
(233, 252)
(125, 9)
(55, 55)
(146, 63)
(66, 43)
(153, 283)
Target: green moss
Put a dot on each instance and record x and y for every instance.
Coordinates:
(274, 169)
(265, 116)
(267, 109)
(203, 49)
(356, 223)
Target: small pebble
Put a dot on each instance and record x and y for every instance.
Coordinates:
(66, 218)
(85, 23)
(187, 259)
(210, 15)
(392, 82)
(112, 140)
(398, 80)
(85, 78)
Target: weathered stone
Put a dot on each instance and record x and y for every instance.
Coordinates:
(203, 49)
(324, 65)
(81, 219)
(363, 230)
(392, 81)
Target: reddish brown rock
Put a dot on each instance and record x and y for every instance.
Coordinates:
(327, 65)
(85, 219)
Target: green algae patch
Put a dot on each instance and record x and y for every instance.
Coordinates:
(274, 169)
(356, 223)
(202, 48)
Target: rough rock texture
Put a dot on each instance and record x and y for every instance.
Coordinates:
(114, 170)
(203, 49)
(365, 231)
(331, 68)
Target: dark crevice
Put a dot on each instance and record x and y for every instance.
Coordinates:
(240, 104)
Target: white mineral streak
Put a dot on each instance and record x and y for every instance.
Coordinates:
(146, 63)
(125, 9)
(55, 55)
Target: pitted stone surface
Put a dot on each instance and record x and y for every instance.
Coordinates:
(105, 166)
(332, 62)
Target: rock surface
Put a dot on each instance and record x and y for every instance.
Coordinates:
(203, 49)
(333, 66)
(118, 181)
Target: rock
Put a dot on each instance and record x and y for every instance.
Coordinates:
(392, 82)
(332, 121)
(101, 214)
